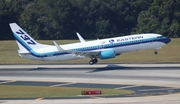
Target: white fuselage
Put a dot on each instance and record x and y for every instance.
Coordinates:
(118, 44)
(102, 49)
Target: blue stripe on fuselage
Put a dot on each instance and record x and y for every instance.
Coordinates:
(119, 44)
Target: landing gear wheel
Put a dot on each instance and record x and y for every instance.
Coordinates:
(155, 52)
(91, 62)
(95, 60)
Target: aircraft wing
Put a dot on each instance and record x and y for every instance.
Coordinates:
(78, 53)
(86, 53)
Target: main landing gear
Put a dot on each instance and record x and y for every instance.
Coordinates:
(93, 61)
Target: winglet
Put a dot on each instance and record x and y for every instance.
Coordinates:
(58, 47)
(80, 38)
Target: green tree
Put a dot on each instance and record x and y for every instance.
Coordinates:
(52, 19)
(47, 19)
(162, 17)
(10, 11)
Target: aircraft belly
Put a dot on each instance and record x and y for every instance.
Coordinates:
(142, 46)
(28, 56)
(155, 45)
(61, 57)
(127, 49)
(50, 58)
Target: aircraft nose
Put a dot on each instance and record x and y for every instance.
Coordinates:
(167, 40)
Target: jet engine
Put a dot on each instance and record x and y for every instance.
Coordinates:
(107, 54)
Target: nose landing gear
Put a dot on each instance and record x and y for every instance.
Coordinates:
(155, 52)
(93, 61)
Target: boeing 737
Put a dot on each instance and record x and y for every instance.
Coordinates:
(100, 48)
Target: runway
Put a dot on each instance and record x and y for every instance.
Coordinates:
(144, 79)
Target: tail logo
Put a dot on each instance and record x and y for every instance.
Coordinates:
(25, 37)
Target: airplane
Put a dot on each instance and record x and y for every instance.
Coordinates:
(100, 48)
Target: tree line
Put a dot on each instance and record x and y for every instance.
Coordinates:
(61, 19)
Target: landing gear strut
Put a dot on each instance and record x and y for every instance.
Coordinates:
(93, 61)
(155, 52)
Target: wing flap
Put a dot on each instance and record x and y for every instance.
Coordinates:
(86, 53)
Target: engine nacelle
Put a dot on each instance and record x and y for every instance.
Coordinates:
(107, 54)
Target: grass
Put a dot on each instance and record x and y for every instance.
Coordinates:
(10, 91)
(169, 53)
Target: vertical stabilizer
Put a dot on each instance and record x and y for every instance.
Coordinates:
(25, 42)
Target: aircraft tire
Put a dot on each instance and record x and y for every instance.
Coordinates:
(95, 60)
(91, 62)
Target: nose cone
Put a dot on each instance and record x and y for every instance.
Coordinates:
(167, 40)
